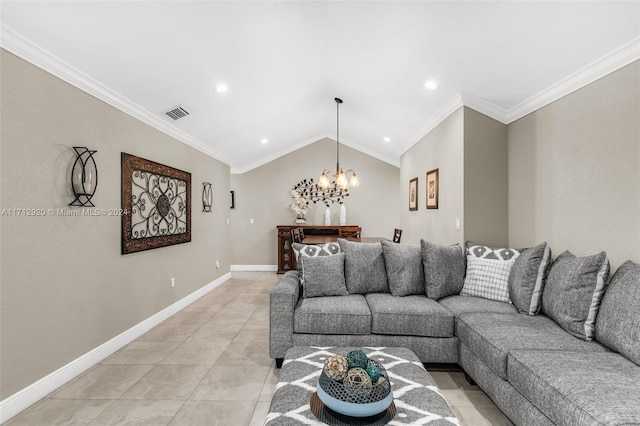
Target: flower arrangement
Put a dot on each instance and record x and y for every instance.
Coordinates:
(300, 204)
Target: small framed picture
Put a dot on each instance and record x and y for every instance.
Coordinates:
(413, 194)
(432, 189)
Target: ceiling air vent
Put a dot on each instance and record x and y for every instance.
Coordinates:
(177, 113)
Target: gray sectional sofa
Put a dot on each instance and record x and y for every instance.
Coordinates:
(550, 342)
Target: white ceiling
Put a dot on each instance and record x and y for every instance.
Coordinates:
(284, 63)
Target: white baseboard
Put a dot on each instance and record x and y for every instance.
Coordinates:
(13, 405)
(254, 268)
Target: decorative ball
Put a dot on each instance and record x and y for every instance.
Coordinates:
(373, 372)
(357, 359)
(357, 377)
(336, 367)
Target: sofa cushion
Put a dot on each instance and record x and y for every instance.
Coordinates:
(459, 305)
(323, 276)
(492, 336)
(410, 315)
(573, 292)
(527, 278)
(444, 268)
(488, 272)
(577, 387)
(403, 263)
(333, 315)
(364, 267)
(619, 316)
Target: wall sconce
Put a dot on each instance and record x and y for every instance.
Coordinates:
(207, 197)
(84, 177)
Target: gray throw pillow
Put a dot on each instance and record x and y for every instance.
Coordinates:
(403, 263)
(617, 323)
(527, 278)
(313, 250)
(444, 268)
(488, 271)
(364, 268)
(323, 276)
(574, 290)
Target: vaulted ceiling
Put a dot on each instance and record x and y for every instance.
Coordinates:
(284, 62)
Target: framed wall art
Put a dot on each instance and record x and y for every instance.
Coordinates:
(156, 202)
(413, 194)
(432, 189)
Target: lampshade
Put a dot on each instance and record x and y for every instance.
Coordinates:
(340, 176)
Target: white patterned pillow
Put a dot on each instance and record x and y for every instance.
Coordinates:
(488, 272)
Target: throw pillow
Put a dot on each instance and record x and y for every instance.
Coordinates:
(323, 276)
(617, 322)
(488, 272)
(574, 290)
(527, 277)
(364, 268)
(313, 250)
(444, 268)
(403, 263)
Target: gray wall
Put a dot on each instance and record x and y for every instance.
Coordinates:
(264, 195)
(574, 171)
(443, 149)
(65, 287)
(485, 179)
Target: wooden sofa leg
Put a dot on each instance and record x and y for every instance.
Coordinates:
(469, 379)
(279, 362)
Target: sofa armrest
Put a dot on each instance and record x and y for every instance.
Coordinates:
(283, 300)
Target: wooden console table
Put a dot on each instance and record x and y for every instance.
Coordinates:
(286, 258)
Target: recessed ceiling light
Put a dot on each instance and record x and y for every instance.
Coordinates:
(387, 140)
(221, 88)
(264, 140)
(431, 85)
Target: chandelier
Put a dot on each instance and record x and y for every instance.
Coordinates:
(340, 176)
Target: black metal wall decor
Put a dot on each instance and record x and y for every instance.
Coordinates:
(84, 177)
(156, 202)
(207, 197)
(233, 199)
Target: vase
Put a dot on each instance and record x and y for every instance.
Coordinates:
(343, 215)
(300, 221)
(327, 217)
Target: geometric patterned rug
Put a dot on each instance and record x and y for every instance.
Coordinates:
(416, 396)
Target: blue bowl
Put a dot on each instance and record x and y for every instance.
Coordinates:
(353, 409)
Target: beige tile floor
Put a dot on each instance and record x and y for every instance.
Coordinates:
(206, 365)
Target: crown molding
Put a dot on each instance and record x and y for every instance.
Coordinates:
(29, 51)
(240, 170)
(447, 109)
(484, 107)
(613, 61)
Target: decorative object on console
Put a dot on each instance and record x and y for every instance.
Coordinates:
(343, 215)
(84, 177)
(327, 217)
(433, 190)
(157, 202)
(207, 197)
(413, 194)
(340, 176)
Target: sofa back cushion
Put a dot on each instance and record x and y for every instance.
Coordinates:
(619, 316)
(527, 278)
(444, 268)
(364, 268)
(574, 290)
(488, 272)
(323, 276)
(403, 263)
